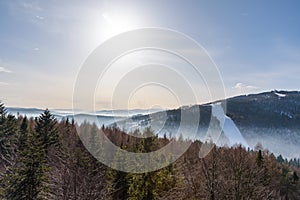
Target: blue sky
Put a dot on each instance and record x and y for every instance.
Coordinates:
(255, 44)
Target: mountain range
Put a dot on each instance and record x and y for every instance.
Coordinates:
(269, 118)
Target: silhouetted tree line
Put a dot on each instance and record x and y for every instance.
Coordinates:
(41, 158)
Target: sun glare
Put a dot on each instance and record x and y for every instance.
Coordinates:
(118, 23)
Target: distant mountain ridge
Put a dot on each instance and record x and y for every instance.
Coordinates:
(271, 118)
(105, 117)
(269, 109)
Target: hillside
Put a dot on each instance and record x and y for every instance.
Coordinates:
(270, 118)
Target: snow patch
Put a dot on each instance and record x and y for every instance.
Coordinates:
(280, 95)
(229, 128)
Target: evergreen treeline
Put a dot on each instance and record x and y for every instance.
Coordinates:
(42, 158)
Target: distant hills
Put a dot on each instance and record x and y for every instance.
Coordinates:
(106, 117)
(270, 118)
(275, 109)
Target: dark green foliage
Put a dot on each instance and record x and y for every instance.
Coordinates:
(150, 185)
(8, 134)
(46, 128)
(280, 159)
(117, 181)
(2, 110)
(28, 178)
(259, 158)
(150, 142)
(8, 146)
(23, 134)
(295, 176)
(29, 175)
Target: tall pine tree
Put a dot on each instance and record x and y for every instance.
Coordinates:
(29, 178)
(46, 129)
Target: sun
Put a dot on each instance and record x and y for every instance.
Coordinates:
(119, 23)
(102, 26)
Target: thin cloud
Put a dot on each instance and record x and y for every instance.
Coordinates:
(39, 17)
(3, 83)
(2, 69)
(244, 14)
(30, 6)
(242, 86)
(36, 49)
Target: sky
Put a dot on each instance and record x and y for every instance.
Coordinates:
(43, 44)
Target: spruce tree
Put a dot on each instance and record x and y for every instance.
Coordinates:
(23, 134)
(259, 158)
(8, 134)
(295, 176)
(28, 177)
(149, 185)
(46, 129)
(94, 141)
(3, 111)
(280, 158)
(117, 181)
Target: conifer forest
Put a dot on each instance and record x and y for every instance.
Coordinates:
(42, 158)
